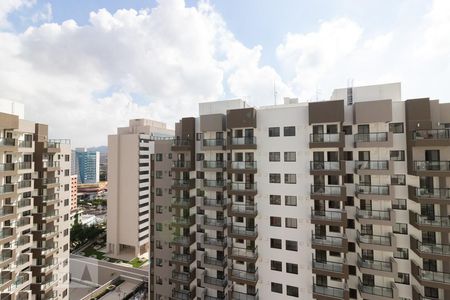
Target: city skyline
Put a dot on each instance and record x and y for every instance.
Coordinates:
(94, 62)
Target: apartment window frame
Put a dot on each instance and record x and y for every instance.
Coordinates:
(290, 178)
(276, 243)
(400, 204)
(289, 131)
(276, 287)
(400, 228)
(290, 156)
(274, 131)
(291, 245)
(275, 221)
(274, 156)
(275, 199)
(292, 291)
(276, 265)
(274, 178)
(396, 127)
(291, 268)
(290, 200)
(397, 155)
(290, 223)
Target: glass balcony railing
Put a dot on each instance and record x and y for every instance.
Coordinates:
(6, 167)
(380, 291)
(372, 164)
(214, 202)
(325, 138)
(213, 142)
(182, 164)
(243, 165)
(374, 239)
(327, 215)
(317, 189)
(7, 142)
(243, 252)
(6, 188)
(214, 222)
(244, 231)
(250, 209)
(438, 249)
(214, 183)
(435, 276)
(438, 193)
(244, 296)
(248, 140)
(24, 165)
(325, 165)
(436, 221)
(328, 266)
(245, 275)
(214, 164)
(431, 134)
(243, 186)
(333, 241)
(221, 282)
(373, 214)
(371, 137)
(374, 264)
(372, 189)
(218, 242)
(432, 165)
(25, 144)
(329, 291)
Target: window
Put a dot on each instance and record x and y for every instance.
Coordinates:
(275, 199)
(291, 222)
(274, 131)
(289, 131)
(276, 287)
(397, 155)
(66, 172)
(398, 179)
(291, 268)
(158, 174)
(291, 245)
(400, 228)
(335, 228)
(274, 156)
(347, 129)
(276, 265)
(159, 209)
(200, 156)
(275, 221)
(169, 155)
(274, 178)
(396, 127)
(290, 200)
(275, 243)
(292, 291)
(66, 217)
(289, 156)
(399, 204)
(158, 157)
(348, 155)
(66, 202)
(159, 227)
(290, 178)
(198, 136)
(66, 187)
(159, 262)
(402, 278)
(401, 253)
(66, 232)
(65, 247)
(67, 157)
(158, 191)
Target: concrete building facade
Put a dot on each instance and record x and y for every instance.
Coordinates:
(128, 212)
(338, 199)
(86, 165)
(35, 205)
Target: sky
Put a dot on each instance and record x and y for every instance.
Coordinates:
(86, 67)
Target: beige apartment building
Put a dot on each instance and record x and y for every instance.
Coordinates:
(128, 214)
(34, 194)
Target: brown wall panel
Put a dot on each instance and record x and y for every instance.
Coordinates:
(326, 112)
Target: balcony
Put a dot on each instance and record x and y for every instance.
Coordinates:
(243, 210)
(376, 217)
(213, 204)
(248, 142)
(49, 215)
(242, 276)
(377, 267)
(431, 168)
(182, 145)
(183, 184)
(214, 165)
(183, 165)
(6, 235)
(374, 140)
(235, 295)
(24, 204)
(213, 224)
(376, 242)
(25, 144)
(374, 167)
(6, 189)
(429, 250)
(22, 222)
(184, 221)
(242, 167)
(249, 254)
(416, 295)
(375, 292)
(214, 185)
(430, 223)
(47, 183)
(24, 184)
(328, 192)
(178, 294)
(431, 137)
(7, 169)
(327, 167)
(53, 146)
(180, 202)
(242, 188)
(327, 140)
(183, 259)
(330, 268)
(6, 257)
(329, 243)
(214, 243)
(49, 283)
(434, 279)
(374, 192)
(242, 232)
(213, 144)
(429, 195)
(51, 165)
(19, 282)
(8, 144)
(214, 263)
(214, 283)
(7, 212)
(184, 278)
(44, 234)
(327, 217)
(181, 240)
(330, 293)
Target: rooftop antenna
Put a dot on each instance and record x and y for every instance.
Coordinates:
(317, 93)
(350, 91)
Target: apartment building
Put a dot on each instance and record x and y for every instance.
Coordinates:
(86, 165)
(128, 212)
(73, 192)
(35, 181)
(338, 199)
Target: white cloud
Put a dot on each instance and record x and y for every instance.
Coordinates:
(8, 6)
(80, 79)
(43, 15)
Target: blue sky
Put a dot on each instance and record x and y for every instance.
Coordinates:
(109, 66)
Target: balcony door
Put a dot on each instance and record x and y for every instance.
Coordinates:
(432, 157)
(429, 237)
